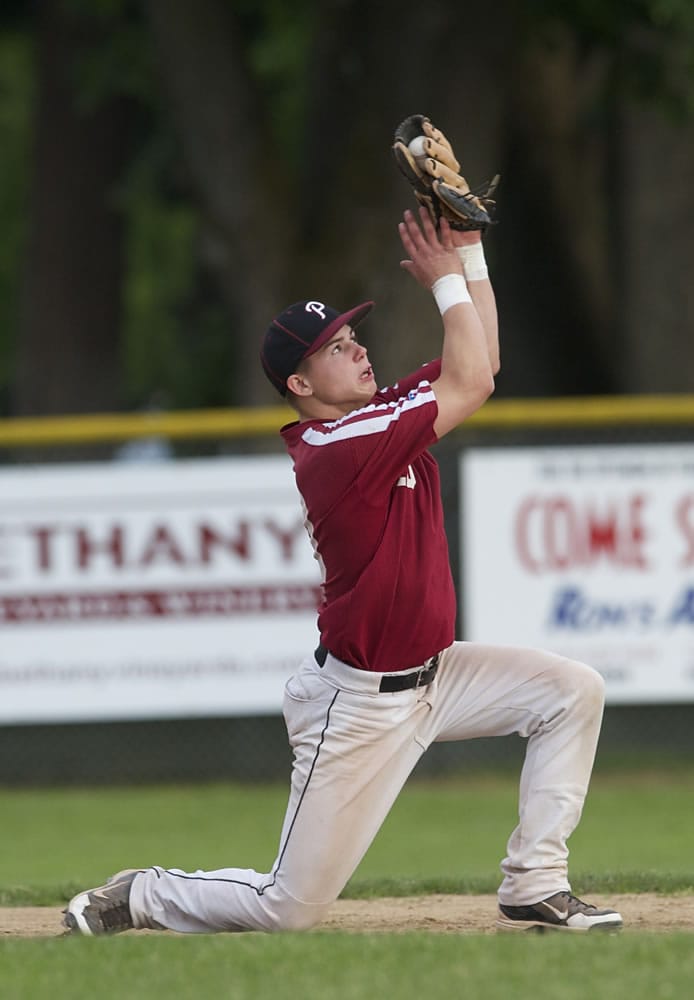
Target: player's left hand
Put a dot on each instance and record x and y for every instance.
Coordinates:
(426, 158)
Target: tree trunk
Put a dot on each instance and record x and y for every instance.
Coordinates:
(236, 179)
(558, 263)
(658, 253)
(68, 358)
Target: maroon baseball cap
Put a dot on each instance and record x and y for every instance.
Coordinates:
(298, 332)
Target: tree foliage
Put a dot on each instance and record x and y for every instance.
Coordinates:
(254, 169)
(16, 95)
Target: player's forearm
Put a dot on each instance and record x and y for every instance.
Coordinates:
(464, 356)
(482, 295)
(471, 253)
(466, 366)
(466, 378)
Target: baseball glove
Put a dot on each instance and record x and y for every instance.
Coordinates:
(426, 158)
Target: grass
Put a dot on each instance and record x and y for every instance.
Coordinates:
(441, 836)
(350, 967)
(444, 836)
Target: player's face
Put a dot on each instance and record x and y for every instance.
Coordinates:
(339, 372)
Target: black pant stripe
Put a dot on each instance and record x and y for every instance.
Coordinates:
(269, 885)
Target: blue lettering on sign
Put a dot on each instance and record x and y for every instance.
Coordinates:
(683, 610)
(574, 610)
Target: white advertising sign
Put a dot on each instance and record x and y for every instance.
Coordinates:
(588, 551)
(181, 588)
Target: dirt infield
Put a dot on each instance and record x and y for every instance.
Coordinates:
(437, 914)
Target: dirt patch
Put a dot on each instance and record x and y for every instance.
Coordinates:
(476, 914)
(437, 914)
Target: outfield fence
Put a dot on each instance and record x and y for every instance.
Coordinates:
(565, 451)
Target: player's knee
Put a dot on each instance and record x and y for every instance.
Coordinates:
(586, 687)
(293, 915)
(303, 918)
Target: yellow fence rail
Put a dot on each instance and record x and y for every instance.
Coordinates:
(573, 411)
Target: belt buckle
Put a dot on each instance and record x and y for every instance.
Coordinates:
(428, 668)
(420, 673)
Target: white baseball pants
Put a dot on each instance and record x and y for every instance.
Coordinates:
(353, 751)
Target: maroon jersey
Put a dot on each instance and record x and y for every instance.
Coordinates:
(373, 509)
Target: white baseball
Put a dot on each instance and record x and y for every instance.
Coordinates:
(416, 147)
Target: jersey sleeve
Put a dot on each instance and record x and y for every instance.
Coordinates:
(428, 372)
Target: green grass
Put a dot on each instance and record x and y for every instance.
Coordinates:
(446, 836)
(350, 967)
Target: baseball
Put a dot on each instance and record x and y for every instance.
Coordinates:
(416, 147)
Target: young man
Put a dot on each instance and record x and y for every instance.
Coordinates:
(388, 679)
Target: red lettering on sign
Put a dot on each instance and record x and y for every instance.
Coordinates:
(557, 533)
(87, 546)
(522, 534)
(684, 513)
(286, 539)
(36, 609)
(161, 545)
(43, 536)
(209, 539)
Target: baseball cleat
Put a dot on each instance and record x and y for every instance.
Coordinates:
(104, 910)
(560, 912)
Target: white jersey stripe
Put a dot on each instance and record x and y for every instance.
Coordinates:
(314, 544)
(372, 419)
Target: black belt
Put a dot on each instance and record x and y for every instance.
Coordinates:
(395, 682)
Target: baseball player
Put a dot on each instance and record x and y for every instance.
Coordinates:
(388, 678)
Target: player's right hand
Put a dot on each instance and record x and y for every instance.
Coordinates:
(430, 254)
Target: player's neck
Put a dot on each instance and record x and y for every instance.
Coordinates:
(316, 409)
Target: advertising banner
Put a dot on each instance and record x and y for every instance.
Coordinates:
(588, 551)
(135, 590)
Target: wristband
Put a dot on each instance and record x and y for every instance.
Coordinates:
(473, 261)
(450, 290)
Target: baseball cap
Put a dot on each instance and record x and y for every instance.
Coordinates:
(300, 331)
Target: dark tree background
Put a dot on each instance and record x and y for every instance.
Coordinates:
(176, 171)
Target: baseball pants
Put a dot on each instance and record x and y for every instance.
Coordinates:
(354, 748)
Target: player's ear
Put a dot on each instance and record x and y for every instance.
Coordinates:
(299, 385)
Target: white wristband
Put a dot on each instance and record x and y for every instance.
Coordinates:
(474, 263)
(450, 290)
